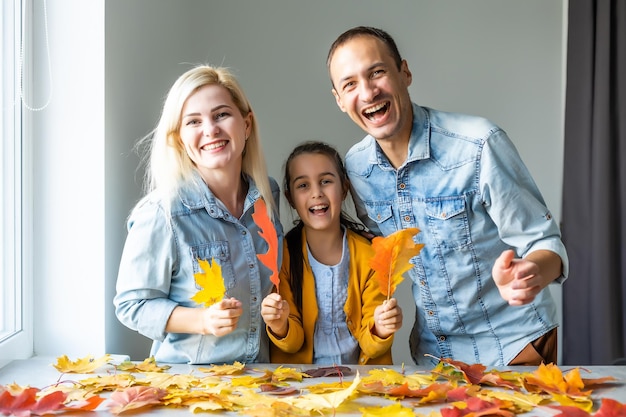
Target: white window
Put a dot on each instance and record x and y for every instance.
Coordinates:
(16, 339)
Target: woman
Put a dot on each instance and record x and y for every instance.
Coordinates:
(206, 171)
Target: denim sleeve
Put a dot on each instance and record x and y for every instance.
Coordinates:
(514, 202)
(145, 272)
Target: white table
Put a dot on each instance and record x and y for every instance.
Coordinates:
(39, 372)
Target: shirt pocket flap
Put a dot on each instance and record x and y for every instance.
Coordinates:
(378, 212)
(446, 208)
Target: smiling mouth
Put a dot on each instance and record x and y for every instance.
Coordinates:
(376, 111)
(214, 145)
(319, 209)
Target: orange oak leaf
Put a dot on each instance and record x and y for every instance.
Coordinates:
(268, 232)
(391, 257)
(211, 283)
(134, 398)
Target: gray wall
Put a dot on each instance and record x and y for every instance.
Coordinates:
(502, 59)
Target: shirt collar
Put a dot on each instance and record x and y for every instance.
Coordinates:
(419, 142)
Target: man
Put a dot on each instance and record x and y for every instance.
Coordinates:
(491, 245)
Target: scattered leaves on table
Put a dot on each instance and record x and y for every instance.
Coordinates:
(456, 388)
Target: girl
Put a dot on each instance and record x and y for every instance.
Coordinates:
(206, 172)
(329, 308)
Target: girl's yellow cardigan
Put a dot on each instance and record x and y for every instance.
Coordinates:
(363, 297)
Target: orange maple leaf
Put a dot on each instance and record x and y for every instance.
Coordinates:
(268, 232)
(211, 283)
(391, 257)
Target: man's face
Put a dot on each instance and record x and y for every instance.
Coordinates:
(369, 87)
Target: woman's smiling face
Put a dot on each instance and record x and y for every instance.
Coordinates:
(213, 131)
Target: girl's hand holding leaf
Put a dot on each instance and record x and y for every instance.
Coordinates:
(387, 318)
(222, 317)
(275, 312)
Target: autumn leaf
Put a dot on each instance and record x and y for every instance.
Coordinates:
(19, 402)
(84, 365)
(268, 232)
(391, 257)
(550, 379)
(148, 365)
(108, 382)
(475, 407)
(326, 371)
(396, 409)
(319, 402)
(134, 398)
(226, 369)
(281, 374)
(274, 409)
(275, 389)
(211, 283)
(165, 380)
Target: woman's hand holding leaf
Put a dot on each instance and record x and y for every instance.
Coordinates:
(222, 317)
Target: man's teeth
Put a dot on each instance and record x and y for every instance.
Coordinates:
(375, 108)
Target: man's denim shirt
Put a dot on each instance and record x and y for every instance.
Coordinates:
(160, 259)
(466, 188)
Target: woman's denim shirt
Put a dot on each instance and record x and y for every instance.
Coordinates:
(466, 188)
(160, 259)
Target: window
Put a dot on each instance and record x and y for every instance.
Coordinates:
(15, 328)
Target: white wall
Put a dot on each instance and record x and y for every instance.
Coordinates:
(502, 59)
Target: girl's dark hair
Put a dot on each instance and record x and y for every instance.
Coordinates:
(294, 236)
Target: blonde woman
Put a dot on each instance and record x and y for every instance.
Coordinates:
(205, 171)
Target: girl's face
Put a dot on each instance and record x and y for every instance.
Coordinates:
(316, 191)
(213, 131)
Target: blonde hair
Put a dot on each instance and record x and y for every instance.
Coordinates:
(169, 166)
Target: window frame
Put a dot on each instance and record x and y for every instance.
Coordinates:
(16, 328)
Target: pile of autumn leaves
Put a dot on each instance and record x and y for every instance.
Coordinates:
(461, 389)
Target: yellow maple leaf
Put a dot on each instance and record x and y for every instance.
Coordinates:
(226, 369)
(102, 383)
(148, 365)
(211, 283)
(282, 374)
(319, 402)
(386, 376)
(165, 380)
(84, 365)
(391, 257)
(396, 409)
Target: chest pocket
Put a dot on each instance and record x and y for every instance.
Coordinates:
(447, 221)
(381, 213)
(212, 252)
